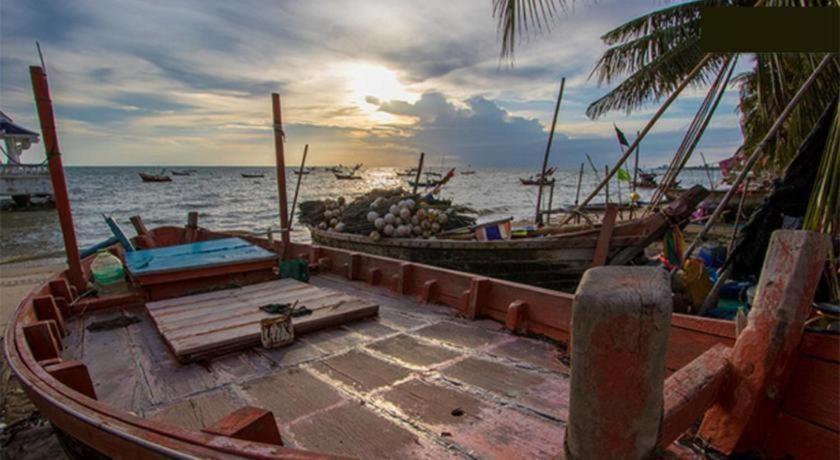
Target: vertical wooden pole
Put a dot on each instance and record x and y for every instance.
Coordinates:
(279, 150)
(635, 178)
(765, 353)
(550, 202)
(621, 319)
(606, 187)
(538, 218)
(297, 186)
(577, 194)
(419, 172)
(62, 200)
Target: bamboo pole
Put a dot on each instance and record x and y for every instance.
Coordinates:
(636, 167)
(46, 116)
(708, 174)
(297, 186)
(550, 203)
(592, 165)
(577, 193)
(756, 153)
(738, 218)
(607, 188)
(419, 172)
(538, 218)
(280, 157)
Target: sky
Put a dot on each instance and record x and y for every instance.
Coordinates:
(188, 82)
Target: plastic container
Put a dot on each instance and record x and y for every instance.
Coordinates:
(108, 272)
(712, 254)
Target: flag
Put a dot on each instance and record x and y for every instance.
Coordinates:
(492, 231)
(623, 175)
(621, 139)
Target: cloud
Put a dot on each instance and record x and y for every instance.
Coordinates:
(189, 82)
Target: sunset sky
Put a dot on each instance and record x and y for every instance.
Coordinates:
(188, 83)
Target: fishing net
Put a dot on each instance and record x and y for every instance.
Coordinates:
(383, 213)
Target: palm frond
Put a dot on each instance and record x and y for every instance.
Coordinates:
(517, 17)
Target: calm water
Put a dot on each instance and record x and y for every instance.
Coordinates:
(227, 201)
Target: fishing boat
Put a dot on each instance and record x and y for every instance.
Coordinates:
(534, 181)
(253, 175)
(298, 172)
(752, 199)
(183, 360)
(407, 173)
(432, 174)
(154, 177)
(555, 260)
(348, 175)
(184, 172)
(646, 180)
(468, 171)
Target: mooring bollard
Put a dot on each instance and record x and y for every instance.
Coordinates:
(620, 325)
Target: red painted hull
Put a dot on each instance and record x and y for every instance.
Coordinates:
(805, 427)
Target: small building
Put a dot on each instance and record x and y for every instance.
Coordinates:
(22, 182)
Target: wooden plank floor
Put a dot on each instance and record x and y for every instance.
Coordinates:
(206, 325)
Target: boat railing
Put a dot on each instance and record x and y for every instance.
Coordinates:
(24, 170)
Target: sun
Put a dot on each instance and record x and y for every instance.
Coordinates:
(366, 81)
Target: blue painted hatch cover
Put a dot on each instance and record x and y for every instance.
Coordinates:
(211, 253)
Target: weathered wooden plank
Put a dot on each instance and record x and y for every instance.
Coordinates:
(813, 391)
(796, 438)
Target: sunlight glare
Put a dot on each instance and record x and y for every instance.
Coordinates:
(370, 80)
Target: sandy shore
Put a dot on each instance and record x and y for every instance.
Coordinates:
(24, 434)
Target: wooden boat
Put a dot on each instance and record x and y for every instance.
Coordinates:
(154, 177)
(646, 180)
(252, 175)
(468, 171)
(304, 172)
(147, 403)
(426, 183)
(181, 173)
(555, 261)
(451, 364)
(432, 174)
(752, 200)
(532, 181)
(351, 176)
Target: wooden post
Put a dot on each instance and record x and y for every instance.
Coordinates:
(538, 218)
(419, 171)
(75, 375)
(479, 287)
(606, 187)
(577, 193)
(550, 203)
(621, 319)
(248, 423)
(635, 178)
(280, 155)
(297, 186)
(602, 247)
(62, 200)
(765, 353)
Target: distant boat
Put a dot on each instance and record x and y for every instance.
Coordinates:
(468, 172)
(185, 172)
(408, 173)
(534, 181)
(432, 173)
(428, 183)
(646, 180)
(351, 176)
(252, 175)
(304, 172)
(155, 177)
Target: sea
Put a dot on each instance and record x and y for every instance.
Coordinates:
(227, 201)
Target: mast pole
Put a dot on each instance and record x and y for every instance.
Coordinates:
(62, 200)
(297, 186)
(280, 155)
(419, 172)
(538, 218)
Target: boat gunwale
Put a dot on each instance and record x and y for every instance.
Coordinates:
(162, 437)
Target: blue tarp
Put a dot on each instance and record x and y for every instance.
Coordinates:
(195, 255)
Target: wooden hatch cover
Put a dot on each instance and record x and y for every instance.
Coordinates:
(205, 325)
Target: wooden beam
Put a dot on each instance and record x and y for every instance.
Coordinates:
(622, 317)
(75, 375)
(602, 247)
(765, 353)
(43, 343)
(690, 391)
(479, 287)
(46, 309)
(429, 292)
(250, 424)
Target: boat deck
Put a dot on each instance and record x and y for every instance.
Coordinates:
(415, 381)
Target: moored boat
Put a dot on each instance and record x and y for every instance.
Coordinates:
(253, 175)
(185, 172)
(555, 260)
(154, 177)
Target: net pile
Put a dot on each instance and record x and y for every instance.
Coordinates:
(387, 213)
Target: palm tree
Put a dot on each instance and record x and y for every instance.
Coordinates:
(650, 55)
